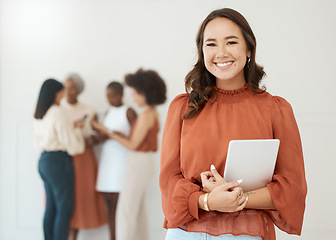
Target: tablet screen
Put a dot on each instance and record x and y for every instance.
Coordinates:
(253, 161)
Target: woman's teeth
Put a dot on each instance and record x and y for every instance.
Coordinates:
(223, 64)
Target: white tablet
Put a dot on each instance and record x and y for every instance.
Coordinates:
(253, 161)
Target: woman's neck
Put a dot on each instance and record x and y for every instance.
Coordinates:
(148, 108)
(230, 84)
(72, 101)
(119, 104)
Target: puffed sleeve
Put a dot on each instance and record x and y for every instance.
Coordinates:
(288, 187)
(179, 196)
(69, 136)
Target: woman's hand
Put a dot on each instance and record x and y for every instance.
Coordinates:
(79, 124)
(98, 126)
(223, 196)
(227, 197)
(211, 179)
(99, 137)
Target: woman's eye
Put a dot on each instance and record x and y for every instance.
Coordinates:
(232, 43)
(210, 44)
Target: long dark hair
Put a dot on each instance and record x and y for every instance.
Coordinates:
(199, 82)
(47, 96)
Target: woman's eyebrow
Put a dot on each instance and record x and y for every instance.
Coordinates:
(226, 38)
(230, 37)
(210, 40)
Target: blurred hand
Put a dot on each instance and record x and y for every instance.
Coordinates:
(89, 141)
(99, 137)
(97, 125)
(79, 124)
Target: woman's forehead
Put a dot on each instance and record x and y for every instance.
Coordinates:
(221, 28)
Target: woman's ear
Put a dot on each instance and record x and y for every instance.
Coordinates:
(248, 54)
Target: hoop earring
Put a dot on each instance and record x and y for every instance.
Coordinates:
(248, 62)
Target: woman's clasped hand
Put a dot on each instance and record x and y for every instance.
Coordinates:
(223, 196)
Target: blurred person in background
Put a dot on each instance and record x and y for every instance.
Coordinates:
(58, 139)
(112, 163)
(148, 90)
(89, 209)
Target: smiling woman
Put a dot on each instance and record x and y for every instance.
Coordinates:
(226, 51)
(223, 102)
(42, 39)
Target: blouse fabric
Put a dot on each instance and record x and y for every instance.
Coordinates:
(112, 163)
(77, 111)
(55, 132)
(149, 144)
(190, 146)
(178, 234)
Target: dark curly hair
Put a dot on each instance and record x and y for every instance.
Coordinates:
(199, 82)
(150, 84)
(47, 95)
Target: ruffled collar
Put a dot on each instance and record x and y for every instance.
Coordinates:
(232, 96)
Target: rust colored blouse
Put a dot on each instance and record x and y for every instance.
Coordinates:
(190, 146)
(149, 144)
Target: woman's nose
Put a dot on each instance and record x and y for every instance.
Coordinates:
(222, 51)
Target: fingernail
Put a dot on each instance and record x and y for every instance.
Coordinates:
(240, 180)
(246, 198)
(212, 167)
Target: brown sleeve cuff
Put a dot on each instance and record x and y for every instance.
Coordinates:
(193, 204)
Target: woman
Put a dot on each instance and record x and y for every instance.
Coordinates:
(148, 90)
(112, 162)
(224, 102)
(58, 139)
(89, 209)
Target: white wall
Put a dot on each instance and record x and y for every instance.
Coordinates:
(103, 40)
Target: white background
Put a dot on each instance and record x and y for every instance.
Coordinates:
(104, 40)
